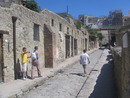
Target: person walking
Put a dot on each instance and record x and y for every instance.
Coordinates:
(24, 59)
(84, 60)
(35, 62)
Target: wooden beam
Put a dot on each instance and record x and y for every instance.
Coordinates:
(4, 32)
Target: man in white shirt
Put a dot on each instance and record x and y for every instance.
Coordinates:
(84, 60)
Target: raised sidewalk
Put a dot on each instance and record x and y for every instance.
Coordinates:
(16, 88)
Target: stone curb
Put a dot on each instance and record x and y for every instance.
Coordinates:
(91, 80)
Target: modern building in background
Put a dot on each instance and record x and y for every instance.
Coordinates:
(88, 20)
(104, 25)
(128, 13)
(115, 18)
(126, 19)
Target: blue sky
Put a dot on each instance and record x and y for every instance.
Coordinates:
(86, 7)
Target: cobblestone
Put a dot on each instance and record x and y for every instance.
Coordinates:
(70, 83)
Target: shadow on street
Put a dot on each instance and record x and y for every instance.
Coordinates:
(105, 84)
(78, 74)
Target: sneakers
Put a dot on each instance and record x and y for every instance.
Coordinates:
(24, 78)
(34, 78)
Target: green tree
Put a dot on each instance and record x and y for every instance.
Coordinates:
(78, 25)
(100, 36)
(32, 5)
(95, 33)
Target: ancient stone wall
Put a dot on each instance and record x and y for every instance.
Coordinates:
(118, 68)
(31, 30)
(7, 3)
(122, 69)
(24, 36)
(118, 39)
(6, 24)
(69, 29)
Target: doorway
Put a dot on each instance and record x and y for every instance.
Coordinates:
(75, 47)
(72, 46)
(86, 44)
(67, 45)
(48, 47)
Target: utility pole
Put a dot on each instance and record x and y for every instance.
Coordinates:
(67, 10)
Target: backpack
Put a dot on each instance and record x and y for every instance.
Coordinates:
(34, 57)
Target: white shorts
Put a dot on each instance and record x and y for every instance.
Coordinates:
(24, 67)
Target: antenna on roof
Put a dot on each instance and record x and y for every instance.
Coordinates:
(67, 10)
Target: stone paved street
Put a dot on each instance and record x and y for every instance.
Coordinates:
(70, 83)
(41, 42)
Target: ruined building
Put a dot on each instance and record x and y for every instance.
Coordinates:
(121, 56)
(88, 20)
(115, 18)
(57, 39)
